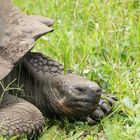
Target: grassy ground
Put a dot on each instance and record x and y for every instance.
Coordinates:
(99, 39)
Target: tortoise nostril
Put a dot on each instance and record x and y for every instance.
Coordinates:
(98, 90)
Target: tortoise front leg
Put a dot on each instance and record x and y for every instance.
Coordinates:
(19, 117)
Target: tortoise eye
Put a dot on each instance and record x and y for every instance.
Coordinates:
(81, 90)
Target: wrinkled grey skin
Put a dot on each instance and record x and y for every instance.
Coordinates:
(47, 87)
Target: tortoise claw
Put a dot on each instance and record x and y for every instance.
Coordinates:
(98, 114)
(105, 107)
(111, 101)
(90, 120)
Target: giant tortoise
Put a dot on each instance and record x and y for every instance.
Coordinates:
(46, 89)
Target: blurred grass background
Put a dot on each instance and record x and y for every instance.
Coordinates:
(99, 39)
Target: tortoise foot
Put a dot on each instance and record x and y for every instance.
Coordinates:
(19, 118)
(104, 108)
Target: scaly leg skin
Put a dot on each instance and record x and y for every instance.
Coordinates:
(19, 118)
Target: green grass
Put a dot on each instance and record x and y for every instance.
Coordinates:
(99, 39)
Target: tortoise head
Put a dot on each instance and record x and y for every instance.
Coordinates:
(72, 95)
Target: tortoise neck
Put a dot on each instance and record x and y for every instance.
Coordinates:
(42, 65)
(39, 71)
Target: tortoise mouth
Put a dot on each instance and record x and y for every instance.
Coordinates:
(74, 107)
